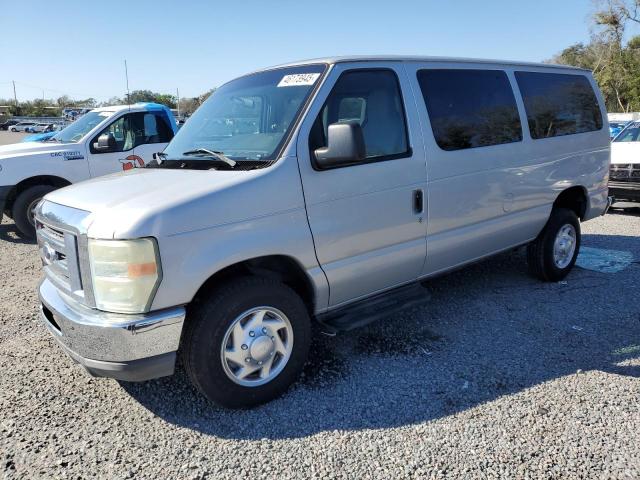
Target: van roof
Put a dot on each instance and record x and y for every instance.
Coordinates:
(417, 58)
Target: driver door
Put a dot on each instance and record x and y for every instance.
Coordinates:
(102, 162)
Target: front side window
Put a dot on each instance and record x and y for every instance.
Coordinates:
(371, 98)
(121, 132)
(629, 134)
(248, 119)
(470, 108)
(559, 104)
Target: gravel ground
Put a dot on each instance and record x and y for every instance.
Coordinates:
(499, 376)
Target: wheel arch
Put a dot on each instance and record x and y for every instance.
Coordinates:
(574, 198)
(281, 268)
(23, 185)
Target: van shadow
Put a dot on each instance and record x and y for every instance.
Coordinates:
(9, 233)
(488, 331)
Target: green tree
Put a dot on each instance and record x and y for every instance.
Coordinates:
(149, 96)
(614, 62)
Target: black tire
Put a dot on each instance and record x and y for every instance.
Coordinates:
(540, 256)
(21, 208)
(205, 330)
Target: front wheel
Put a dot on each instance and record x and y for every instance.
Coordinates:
(246, 343)
(23, 211)
(553, 253)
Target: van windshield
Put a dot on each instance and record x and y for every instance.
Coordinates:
(248, 118)
(82, 126)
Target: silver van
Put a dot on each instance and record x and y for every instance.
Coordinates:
(325, 190)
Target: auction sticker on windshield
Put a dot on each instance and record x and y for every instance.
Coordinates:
(298, 79)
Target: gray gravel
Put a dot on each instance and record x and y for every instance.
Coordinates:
(499, 376)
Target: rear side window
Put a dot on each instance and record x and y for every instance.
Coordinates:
(150, 128)
(372, 98)
(558, 104)
(470, 108)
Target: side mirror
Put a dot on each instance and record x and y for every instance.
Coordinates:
(345, 146)
(105, 143)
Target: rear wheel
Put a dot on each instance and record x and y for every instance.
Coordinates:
(247, 342)
(552, 255)
(24, 209)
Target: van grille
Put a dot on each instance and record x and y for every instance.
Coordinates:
(59, 253)
(621, 172)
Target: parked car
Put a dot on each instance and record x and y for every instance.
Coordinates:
(5, 125)
(39, 128)
(105, 140)
(21, 126)
(324, 190)
(41, 137)
(624, 174)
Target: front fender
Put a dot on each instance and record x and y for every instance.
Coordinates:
(190, 259)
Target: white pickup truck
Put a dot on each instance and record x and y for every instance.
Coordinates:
(105, 140)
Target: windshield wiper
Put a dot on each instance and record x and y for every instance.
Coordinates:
(191, 163)
(213, 154)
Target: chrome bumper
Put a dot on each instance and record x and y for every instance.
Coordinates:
(625, 191)
(125, 347)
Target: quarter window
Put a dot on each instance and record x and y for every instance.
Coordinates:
(371, 98)
(558, 104)
(470, 108)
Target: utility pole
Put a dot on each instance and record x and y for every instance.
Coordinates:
(15, 97)
(178, 95)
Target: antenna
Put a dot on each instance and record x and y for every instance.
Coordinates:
(126, 75)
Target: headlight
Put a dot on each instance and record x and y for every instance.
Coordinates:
(125, 274)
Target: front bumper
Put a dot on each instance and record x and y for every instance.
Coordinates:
(629, 191)
(126, 347)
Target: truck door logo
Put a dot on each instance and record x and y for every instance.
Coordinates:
(132, 161)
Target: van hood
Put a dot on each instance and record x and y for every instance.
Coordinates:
(160, 202)
(625, 152)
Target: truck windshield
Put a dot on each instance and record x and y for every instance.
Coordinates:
(629, 134)
(248, 118)
(82, 126)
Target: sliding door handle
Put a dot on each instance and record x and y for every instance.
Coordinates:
(418, 201)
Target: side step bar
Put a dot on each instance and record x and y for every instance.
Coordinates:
(373, 308)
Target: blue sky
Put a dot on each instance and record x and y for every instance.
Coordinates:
(78, 47)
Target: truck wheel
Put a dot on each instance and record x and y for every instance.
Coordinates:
(247, 343)
(552, 255)
(24, 206)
